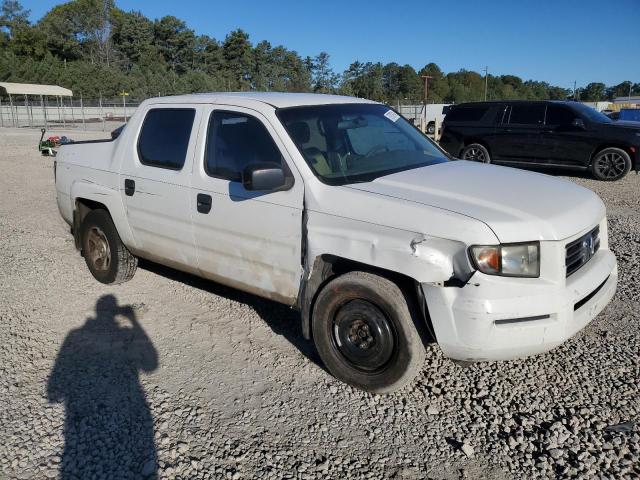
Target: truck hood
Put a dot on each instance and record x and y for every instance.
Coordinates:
(517, 205)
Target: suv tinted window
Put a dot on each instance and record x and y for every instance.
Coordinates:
(466, 114)
(165, 136)
(527, 113)
(557, 115)
(234, 141)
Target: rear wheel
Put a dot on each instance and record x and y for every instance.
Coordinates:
(476, 153)
(364, 330)
(107, 258)
(611, 164)
(431, 128)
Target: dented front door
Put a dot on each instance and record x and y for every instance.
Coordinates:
(247, 239)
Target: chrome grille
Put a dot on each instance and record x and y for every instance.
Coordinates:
(581, 250)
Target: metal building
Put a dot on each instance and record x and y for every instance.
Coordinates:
(32, 99)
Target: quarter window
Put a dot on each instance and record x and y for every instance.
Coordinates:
(235, 141)
(527, 114)
(164, 138)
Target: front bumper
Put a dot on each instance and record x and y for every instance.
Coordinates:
(499, 318)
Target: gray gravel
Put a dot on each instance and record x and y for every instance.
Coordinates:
(174, 377)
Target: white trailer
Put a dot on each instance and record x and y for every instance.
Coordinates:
(432, 116)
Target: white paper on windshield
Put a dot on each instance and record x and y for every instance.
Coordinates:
(391, 115)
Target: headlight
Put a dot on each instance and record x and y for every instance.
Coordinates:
(509, 260)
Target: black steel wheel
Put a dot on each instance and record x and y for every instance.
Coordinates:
(476, 153)
(611, 164)
(365, 330)
(363, 335)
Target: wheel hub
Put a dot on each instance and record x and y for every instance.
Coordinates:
(474, 154)
(610, 165)
(360, 335)
(363, 335)
(98, 249)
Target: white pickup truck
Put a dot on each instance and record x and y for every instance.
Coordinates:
(340, 208)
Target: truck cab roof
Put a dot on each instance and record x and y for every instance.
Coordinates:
(275, 99)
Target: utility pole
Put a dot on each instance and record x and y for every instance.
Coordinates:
(486, 73)
(630, 84)
(575, 92)
(426, 87)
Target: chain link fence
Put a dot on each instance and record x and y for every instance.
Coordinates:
(413, 112)
(65, 112)
(93, 113)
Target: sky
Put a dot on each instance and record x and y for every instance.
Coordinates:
(558, 41)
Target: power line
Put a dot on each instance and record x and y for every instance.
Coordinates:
(486, 73)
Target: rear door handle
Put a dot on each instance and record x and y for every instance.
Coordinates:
(204, 203)
(129, 187)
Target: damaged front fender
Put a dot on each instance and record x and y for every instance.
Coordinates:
(424, 258)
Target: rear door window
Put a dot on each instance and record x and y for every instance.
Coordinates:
(527, 114)
(164, 137)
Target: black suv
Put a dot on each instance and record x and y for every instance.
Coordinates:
(544, 134)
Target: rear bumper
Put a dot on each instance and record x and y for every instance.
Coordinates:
(498, 318)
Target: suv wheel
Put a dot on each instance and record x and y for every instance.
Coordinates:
(611, 164)
(364, 330)
(476, 153)
(107, 258)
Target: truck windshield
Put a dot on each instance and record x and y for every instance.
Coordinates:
(350, 143)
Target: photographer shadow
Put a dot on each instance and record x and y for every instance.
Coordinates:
(108, 427)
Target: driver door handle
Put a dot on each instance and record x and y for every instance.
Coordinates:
(129, 187)
(203, 203)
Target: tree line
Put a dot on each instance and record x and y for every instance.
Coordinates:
(95, 48)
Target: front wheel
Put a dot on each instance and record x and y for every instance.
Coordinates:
(611, 164)
(106, 256)
(476, 153)
(364, 330)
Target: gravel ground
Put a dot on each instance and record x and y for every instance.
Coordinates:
(169, 376)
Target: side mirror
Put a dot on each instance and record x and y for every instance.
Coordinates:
(578, 123)
(265, 177)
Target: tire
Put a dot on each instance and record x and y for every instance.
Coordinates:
(431, 128)
(382, 357)
(611, 164)
(476, 152)
(107, 258)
